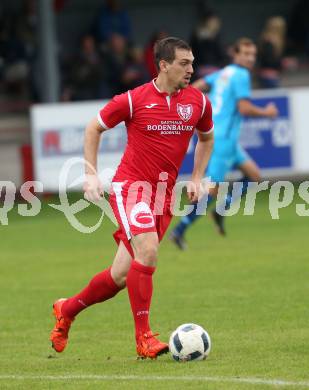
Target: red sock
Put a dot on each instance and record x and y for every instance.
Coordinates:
(100, 288)
(139, 285)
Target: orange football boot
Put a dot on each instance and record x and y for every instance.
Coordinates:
(60, 333)
(149, 346)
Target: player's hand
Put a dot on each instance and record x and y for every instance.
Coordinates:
(193, 191)
(93, 189)
(271, 110)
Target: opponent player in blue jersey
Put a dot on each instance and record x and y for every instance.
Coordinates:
(230, 90)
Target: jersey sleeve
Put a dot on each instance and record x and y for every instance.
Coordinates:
(242, 85)
(205, 124)
(116, 110)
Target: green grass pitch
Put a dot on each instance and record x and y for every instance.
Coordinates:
(250, 291)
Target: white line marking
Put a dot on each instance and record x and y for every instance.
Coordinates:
(255, 381)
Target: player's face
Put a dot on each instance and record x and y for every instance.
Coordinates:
(179, 72)
(246, 56)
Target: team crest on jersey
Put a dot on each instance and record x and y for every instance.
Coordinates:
(185, 111)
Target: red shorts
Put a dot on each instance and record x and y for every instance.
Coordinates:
(139, 209)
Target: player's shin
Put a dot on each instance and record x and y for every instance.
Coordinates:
(139, 285)
(197, 211)
(101, 288)
(231, 196)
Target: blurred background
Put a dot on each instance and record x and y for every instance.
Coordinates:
(60, 52)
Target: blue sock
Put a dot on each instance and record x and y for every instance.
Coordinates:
(230, 198)
(189, 219)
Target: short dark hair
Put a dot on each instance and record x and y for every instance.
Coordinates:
(165, 49)
(244, 41)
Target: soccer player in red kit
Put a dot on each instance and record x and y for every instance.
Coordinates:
(161, 117)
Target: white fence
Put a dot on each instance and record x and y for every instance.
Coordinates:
(279, 146)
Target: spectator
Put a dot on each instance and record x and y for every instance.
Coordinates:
(135, 72)
(18, 50)
(206, 45)
(26, 27)
(116, 55)
(86, 78)
(14, 66)
(271, 49)
(298, 28)
(148, 53)
(112, 19)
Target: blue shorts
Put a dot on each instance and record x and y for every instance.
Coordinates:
(224, 159)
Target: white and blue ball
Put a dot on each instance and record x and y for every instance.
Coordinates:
(189, 342)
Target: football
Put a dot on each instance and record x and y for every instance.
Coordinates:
(189, 342)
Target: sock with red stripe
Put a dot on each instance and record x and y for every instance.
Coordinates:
(101, 288)
(139, 285)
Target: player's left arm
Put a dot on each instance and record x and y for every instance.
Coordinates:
(246, 108)
(202, 152)
(242, 89)
(202, 155)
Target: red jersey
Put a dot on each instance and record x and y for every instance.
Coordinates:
(159, 129)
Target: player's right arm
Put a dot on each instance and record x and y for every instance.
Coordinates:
(117, 110)
(92, 186)
(205, 84)
(201, 84)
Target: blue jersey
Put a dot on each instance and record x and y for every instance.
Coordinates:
(228, 86)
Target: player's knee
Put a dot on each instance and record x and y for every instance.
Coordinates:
(121, 281)
(120, 278)
(148, 254)
(119, 274)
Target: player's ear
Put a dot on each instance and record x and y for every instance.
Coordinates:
(163, 66)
